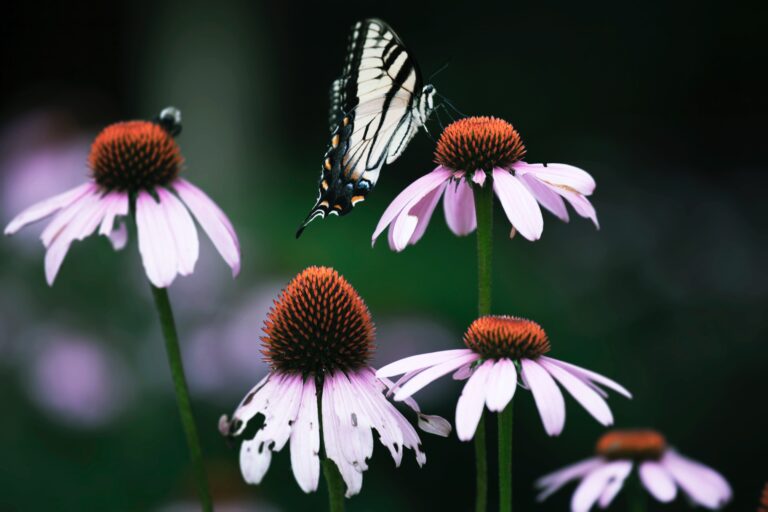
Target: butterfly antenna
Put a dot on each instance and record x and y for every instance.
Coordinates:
(439, 70)
(447, 102)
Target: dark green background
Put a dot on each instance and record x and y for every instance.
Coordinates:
(665, 105)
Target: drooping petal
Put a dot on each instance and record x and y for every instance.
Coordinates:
(701, 483)
(46, 207)
(581, 205)
(183, 230)
(559, 175)
(471, 403)
(551, 482)
(545, 196)
(420, 361)
(459, 208)
(305, 440)
(117, 205)
(586, 396)
(596, 482)
(435, 372)
(409, 196)
(502, 382)
(213, 221)
(118, 237)
(334, 433)
(613, 488)
(409, 226)
(464, 372)
(658, 481)
(479, 177)
(156, 241)
(548, 398)
(429, 423)
(589, 375)
(89, 211)
(519, 204)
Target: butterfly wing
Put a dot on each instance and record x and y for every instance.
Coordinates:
(373, 116)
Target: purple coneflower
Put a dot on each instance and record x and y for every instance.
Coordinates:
(499, 349)
(479, 152)
(318, 340)
(135, 161)
(661, 469)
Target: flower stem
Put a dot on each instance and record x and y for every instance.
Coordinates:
(484, 214)
(335, 485)
(505, 458)
(171, 337)
(637, 496)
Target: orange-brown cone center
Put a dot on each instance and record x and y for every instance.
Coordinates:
(510, 337)
(480, 143)
(318, 324)
(134, 155)
(631, 444)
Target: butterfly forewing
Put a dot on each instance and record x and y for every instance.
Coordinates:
(373, 116)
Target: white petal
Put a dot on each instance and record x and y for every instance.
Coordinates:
(156, 242)
(519, 204)
(560, 175)
(48, 207)
(548, 398)
(419, 362)
(551, 482)
(305, 440)
(469, 408)
(658, 481)
(424, 378)
(596, 482)
(183, 230)
(586, 396)
(502, 382)
(213, 221)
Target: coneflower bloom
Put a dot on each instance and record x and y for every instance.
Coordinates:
(479, 152)
(661, 469)
(499, 349)
(318, 340)
(140, 162)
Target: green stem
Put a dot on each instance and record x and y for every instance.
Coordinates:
(637, 496)
(171, 337)
(335, 485)
(505, 418)
(481, 468)
(484, 214)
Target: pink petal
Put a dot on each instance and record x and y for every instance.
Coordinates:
(156, 242)
(118, 237)
(459, 207)
(589, 375)
(410, 195)
(48, 207)
(581, 205)
(213, 221)
(595, 483)
(545, 196)
(701, 483)
(553, 481)
(479, 177)
(183, 230)
(613, 488)
(305, 440)
(89, 210)
(67, 215)
(464, 372)
(519, 204)
(117, 204)
(424, 378)
(547, 396)
(658, 481)
(583, 394)
(559, 175)
(502, 383)
(420, 361)
(470, 406)
(409, 226)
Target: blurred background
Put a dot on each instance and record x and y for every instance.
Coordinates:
(664, 104)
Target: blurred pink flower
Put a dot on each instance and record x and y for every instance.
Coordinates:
(661, 469)
(470, 153)
(136, 160)
(499, 349)
(77, 381)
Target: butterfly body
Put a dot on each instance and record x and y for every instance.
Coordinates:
(377, 106)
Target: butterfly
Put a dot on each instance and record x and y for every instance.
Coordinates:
(377, 106)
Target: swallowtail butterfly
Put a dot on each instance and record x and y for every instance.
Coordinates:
(377, 105)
